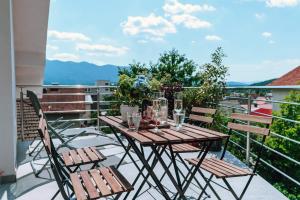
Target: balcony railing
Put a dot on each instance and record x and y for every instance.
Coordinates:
(99, 104)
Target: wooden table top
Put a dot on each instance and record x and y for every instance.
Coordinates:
(188, 134)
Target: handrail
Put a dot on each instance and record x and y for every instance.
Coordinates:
(96, 90)
(269, 165)
(75, 102)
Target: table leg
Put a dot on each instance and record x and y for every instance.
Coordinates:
(196, 168)
(188, 169)
(154, 162)
(173, 159)
(179, 189)
(148, 167)
(127, 152)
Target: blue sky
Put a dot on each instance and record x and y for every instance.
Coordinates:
(260, 37)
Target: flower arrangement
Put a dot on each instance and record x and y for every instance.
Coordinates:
(133, 91)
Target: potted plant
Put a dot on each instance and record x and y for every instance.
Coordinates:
(132, 92)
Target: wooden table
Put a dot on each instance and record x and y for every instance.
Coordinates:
(158, 142)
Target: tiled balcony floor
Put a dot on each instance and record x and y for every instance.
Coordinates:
(28, 187)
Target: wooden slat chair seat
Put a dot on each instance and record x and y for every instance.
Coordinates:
(202, 116)
(220, 168)
(184, 148)
(74, 157)
(89, 184)
(82, 156)
(97, 183)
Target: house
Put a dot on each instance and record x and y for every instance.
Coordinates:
(283, 85)
(260, 107)
(75, 106)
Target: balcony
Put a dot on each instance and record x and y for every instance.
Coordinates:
(30, 187)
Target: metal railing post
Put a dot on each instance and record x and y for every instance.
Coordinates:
(22, 113)
(98, 108)
(248, 134)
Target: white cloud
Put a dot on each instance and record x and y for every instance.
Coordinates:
(64, 57)
(103, 49)
(71, 36)
(213, 38)
(151, 25)
(51, 47)
(190, 21)
(266, 34)
(282, 3)
(142, 41)
(259, 16)
(173, 7)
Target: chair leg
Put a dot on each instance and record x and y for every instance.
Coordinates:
(208, 185)
(182, 161)
(37, 173)
(246, 187)
(231, 189)
(39, 143)
(55, 195)
(38, 153)
(164, 174)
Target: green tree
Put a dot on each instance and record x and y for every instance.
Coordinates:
(291, 130)
(212, 83)
(134, 69)
(174, 68)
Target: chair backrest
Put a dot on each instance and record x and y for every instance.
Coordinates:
(202, 115)
(44, 134)
(59, 173)
(249, 127)
(35, 101)
(249, 123)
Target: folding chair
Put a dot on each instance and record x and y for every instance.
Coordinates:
(56, 125)
(199, 116)
(222, 169)
(88, 184)
(71, 158)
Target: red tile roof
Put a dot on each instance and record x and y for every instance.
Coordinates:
(290, 78)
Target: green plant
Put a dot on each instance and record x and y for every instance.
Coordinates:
(174, 68)
(291, 130)
(133, 91)
(212, 83)
(135, 69)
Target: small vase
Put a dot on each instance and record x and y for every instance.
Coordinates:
(124, 109)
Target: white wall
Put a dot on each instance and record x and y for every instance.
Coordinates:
(279, 95)
(8, 132)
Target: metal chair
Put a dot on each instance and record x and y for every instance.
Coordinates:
(222, 169)
(75, 157)
(88, 184)
(57, 127)
(199, 116)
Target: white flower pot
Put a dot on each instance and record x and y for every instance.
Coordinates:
(124, 109)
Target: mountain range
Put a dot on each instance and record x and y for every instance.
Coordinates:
(84, 73)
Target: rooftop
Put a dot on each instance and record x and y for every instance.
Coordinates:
(30, 187)
(290, 78)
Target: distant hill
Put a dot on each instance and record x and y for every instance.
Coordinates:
(72, 73)
(236, 84)
(263, 83)
(84, 73)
